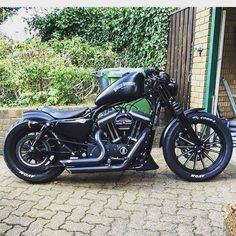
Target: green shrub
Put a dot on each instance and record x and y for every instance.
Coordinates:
(56, 72)
(139, 35)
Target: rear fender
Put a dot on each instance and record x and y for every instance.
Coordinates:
(173, 121)
(37, 115)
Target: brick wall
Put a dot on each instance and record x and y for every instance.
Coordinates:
(228, 69)
(199, 67)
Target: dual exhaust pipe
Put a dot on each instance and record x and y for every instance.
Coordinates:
(89, 165)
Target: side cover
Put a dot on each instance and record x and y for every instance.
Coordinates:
(128, 88)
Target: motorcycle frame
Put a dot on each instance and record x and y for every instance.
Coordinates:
(158, 96)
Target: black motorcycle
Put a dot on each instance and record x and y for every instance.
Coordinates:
(112, 136)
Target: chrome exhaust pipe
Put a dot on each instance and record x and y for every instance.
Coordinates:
(131, 156)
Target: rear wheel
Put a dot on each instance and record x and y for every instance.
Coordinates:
(28, 162)
(198, 162)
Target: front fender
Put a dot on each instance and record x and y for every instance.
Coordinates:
(36, 115)
(174, 120)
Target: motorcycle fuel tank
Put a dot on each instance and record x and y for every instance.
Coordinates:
(128, 88)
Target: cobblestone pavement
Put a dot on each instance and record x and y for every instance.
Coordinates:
(128, 203)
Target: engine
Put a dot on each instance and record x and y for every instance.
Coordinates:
(122, 130)
(124, 127)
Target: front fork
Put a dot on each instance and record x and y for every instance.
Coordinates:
(184, 121)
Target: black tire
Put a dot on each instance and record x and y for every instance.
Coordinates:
(173, 143)
(38, 175)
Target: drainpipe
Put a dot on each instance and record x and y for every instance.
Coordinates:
(219, 61)
(212, 58)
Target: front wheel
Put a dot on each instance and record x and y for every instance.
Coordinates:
(198, 162)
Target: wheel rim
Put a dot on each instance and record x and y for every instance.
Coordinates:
(31, 157)
(199, 158)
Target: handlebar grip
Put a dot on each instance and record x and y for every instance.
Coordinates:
(164, 77)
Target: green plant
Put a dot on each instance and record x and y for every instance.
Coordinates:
(139, 35)
(53, 72)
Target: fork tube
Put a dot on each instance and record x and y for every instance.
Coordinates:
(178, 112)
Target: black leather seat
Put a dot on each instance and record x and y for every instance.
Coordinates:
(64, 114)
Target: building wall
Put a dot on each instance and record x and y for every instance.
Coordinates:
(228, 70)
(199, 67)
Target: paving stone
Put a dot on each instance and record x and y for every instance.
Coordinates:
(6, 182)
(43, 192)
(153, 213)
(184, 230)
(216, 231)
(132, 207)
(9, 202)
(135, 232)
(99, 230)
(29, 197)
(161, 226)
(57, 220)
(7, 189)
(115, 192)
(31, 189)
(44, 203)
(130, 196)
(91, 196)
(59, 207)
(149, 201)
(79, 201)
(78, 227)
(63, 197)
(202, 226)
(192, 212)
(208, 206)
(118, 227)
(50, 232)
(96, 208)
(179, 219)
(166, 233)
(78, 213)
(216, 218)
(35, 227)
(45, 214)
(15, 193)
(135, 220)
(113, 202)
(24, 208)
(16, 230)
(4, 227)
(92, 219)
(6, 211)
(18, 220)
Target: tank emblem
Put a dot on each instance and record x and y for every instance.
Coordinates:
(124, 84)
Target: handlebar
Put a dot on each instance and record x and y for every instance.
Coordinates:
(158, 74)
